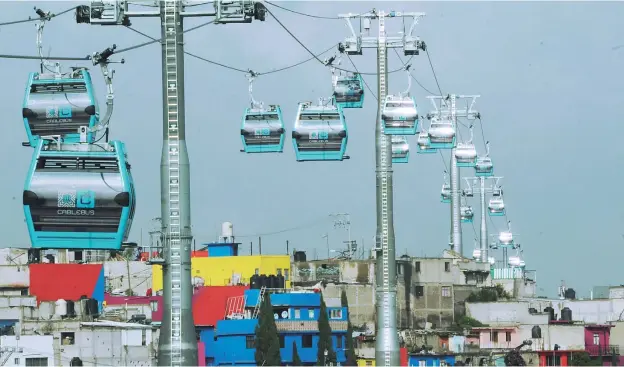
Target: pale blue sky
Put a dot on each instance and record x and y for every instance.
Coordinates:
(551, 104)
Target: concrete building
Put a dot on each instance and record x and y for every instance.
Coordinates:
(296, 316)
(26, 350)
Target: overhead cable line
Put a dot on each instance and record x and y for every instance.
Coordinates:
(365, 83)
(237, 69)
(300, 13)
(31, 19)
(410, 73)
(312, 53)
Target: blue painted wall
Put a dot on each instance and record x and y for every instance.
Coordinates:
(431, 360)
(207, 336)
(234, 338)
(222, 249)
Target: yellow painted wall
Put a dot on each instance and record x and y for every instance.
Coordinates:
(362, 361)
(219, 270)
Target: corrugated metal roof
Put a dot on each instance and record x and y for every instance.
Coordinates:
(51, 282)
(209, 303)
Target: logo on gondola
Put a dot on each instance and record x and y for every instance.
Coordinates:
(319, 135)
(69, 200)
(59, 113)
(262, 132)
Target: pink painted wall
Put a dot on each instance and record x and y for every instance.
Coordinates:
(137, 300)
(201, 354)
(486, 342)
(603, 331)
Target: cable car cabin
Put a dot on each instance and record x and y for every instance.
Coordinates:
(320, 133)
(423, 145)
(442, 134)
(262, 130)
(80, 196)
(496, 207)
(466, 214)
(484, 167)
(445, 194)
(505, 238)
(349, 91)
(466, 155)
(399, 115)
(400, 149)
(497, 191)
(56, 105)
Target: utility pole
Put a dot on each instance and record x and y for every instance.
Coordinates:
(344, 222)
(471, 181)
(177, 343)
(387, 342)
(448, 110)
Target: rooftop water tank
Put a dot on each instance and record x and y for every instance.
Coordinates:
(551, 313)
(300, 256)
(536, 332)
(61, 308)
(227, 230)
(566, 314)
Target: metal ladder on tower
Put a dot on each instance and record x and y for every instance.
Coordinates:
(259, 303)
(171, 15)
(385, 163)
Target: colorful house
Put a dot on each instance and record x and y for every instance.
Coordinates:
(597, 343)
(223, 267)
(296, 316)
(422, 360)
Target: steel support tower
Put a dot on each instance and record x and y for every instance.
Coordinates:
(178, 342)
(471, 181)
(445, 107)
(387, 341)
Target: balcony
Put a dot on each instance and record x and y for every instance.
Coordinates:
(602, 350)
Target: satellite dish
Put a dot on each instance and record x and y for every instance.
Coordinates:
(284, 314)
(275, 316)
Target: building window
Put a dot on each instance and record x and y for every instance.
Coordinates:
(399, 269)
(36, 362)
(154, 306)
(279, 271)
(596, 339)
(143, 337)
(417, 266)
(306, 341)
(68, 338)
(419, 291)
(249, 342)
(286, 275)
(335, 314)
(297, 313)
(447, 266)
(422, 363)
(282, 341)
(508, 336)
(339, 342)
(257, 271)
(494, 336)
(446, 291)
(16, 361)
(369, 363)
(311, 314)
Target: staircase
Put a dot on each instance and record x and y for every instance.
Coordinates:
(171, 18)
(259, 303)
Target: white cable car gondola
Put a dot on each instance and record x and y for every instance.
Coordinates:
(484, 166)
(320, 132)
(262, 129)
(349, 91)
(466, 214)
(466, 153)
(505, 238)
(445, 193)
(423, 145)
(442, 133)
(496, 207)
(399, 114)
(400, 149)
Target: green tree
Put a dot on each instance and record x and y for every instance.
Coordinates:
(583, 359)
(267, 340)
(296, 361)
(351, 359)
(489, 294)
(325, 338)
(514, 358)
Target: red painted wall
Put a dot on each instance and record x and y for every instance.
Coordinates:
(209, 303)
(51, 282)
(403, 356)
